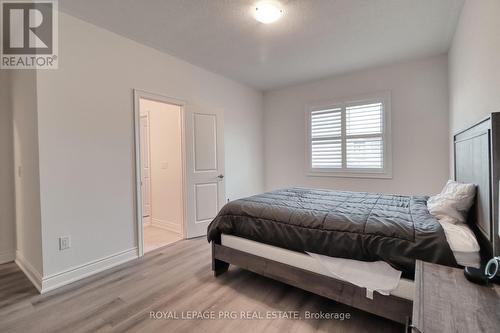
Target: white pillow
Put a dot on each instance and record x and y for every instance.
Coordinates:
(453, 203)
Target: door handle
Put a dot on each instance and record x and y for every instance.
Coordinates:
(220, 176)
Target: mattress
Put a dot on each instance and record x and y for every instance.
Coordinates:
(404, 289)
(361, 226)
(463, 243)
(460, 238)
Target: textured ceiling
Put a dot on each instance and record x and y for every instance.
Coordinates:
(314, 39)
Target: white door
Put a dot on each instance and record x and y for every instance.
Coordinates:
(205, 192)
(145, 168)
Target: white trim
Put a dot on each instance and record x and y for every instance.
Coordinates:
(386, 172)
(349, 174)
(147, 115)
(31, 273)
(138, 94)
(7, 256)
(57, 280)
(76, 273)
(167, 225)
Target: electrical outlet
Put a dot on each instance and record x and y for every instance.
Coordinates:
(64, 243)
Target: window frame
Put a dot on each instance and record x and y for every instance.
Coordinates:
(386, 171)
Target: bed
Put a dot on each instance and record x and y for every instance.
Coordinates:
(281, 234)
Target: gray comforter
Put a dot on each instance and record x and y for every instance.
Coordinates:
(361, 226)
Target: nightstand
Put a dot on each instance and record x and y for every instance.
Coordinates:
(446, 302)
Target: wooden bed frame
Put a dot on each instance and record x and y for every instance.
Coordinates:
(390, 307)
(477, 160)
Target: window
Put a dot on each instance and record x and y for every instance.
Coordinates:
(351, 138)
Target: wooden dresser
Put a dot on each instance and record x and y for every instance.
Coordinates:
(446, 302)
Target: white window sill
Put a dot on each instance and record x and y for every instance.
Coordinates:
(350, 174)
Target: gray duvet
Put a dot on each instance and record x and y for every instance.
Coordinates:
(361, 226)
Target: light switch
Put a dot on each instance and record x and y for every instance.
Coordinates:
(164, 165)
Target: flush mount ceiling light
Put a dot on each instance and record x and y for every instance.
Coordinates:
(268, 11)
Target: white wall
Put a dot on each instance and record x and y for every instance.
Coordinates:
(419, 104)
(85, 117)
(7, 201)
(27, 186)
(166, 164)
(474, 61)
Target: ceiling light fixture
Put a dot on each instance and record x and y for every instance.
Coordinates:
(268, 12)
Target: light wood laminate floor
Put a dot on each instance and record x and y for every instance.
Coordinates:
(174, 278)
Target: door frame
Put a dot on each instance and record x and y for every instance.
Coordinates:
(138, 95)
(147, 116)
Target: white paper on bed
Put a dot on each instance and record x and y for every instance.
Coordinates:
(374, 276)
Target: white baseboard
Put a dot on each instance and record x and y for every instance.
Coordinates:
(60, 279)
(7, 256)
(167, 225)
(54, 281)
(31, 273)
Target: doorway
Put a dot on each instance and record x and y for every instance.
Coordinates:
(161, 172)
(197, 186)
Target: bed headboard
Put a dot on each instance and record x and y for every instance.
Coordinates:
(477, 161)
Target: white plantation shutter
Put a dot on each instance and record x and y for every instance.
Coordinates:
(349, 138)
(364, 136)
(326, 138)
(364, 119)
